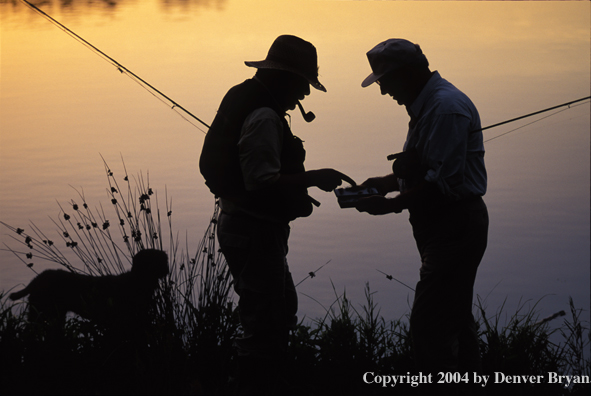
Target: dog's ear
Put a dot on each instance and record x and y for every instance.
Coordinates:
(150, 263)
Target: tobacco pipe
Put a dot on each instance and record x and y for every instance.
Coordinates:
(309, 116)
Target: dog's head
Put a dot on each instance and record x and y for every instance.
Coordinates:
(150, 264)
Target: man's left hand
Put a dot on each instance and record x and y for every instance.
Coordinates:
(379, 205)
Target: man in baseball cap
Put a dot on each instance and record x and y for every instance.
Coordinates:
(441, 178)
(393, 54)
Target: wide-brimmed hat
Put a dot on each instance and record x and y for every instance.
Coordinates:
(292, 54)
(390, 55)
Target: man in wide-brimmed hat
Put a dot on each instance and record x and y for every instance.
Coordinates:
(255, 165)
(441, 178)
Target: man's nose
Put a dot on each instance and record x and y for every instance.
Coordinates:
(307, 90)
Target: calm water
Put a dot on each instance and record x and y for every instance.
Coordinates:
(62, 107)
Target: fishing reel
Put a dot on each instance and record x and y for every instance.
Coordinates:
(407, 164)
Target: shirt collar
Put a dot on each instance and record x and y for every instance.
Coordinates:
(415, 109)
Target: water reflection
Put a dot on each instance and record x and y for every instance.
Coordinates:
(187, 5)
(69, 6)
(107, 6)
(61, 106)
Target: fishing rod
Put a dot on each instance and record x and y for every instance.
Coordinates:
(398, 155)
(308, 117)
(119, 66)
(532, 114)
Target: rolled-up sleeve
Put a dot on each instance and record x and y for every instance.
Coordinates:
(445, 132)
(259, 148)
(445, 151)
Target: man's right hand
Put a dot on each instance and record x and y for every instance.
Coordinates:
(328, 179)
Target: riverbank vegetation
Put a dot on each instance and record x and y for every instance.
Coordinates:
(187, 348)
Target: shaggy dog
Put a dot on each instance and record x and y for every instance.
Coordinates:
(110, 300)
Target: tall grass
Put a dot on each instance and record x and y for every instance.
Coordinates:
(193, 323)
(522, 344)
(188, 347)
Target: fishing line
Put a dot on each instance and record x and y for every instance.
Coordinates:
(532, 114)
(120, 67)
(533, 122)
(569, 104)
(174, 105)
(390, 277)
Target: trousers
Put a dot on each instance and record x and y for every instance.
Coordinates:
(451, 241)
(256, 252)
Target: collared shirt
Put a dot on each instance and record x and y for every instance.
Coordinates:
(442, 119)
(259, 147)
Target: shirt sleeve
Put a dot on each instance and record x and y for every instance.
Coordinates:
(259, 148)
(445, 152)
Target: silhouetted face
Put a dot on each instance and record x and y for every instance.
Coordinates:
(295, 89)
(398, 85)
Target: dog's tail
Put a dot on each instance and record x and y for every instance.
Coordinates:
(19, 294)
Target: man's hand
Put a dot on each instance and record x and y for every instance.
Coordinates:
(379, 205)
(328, 179)
(384, 184)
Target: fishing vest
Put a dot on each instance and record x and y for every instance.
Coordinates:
(220, 162)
